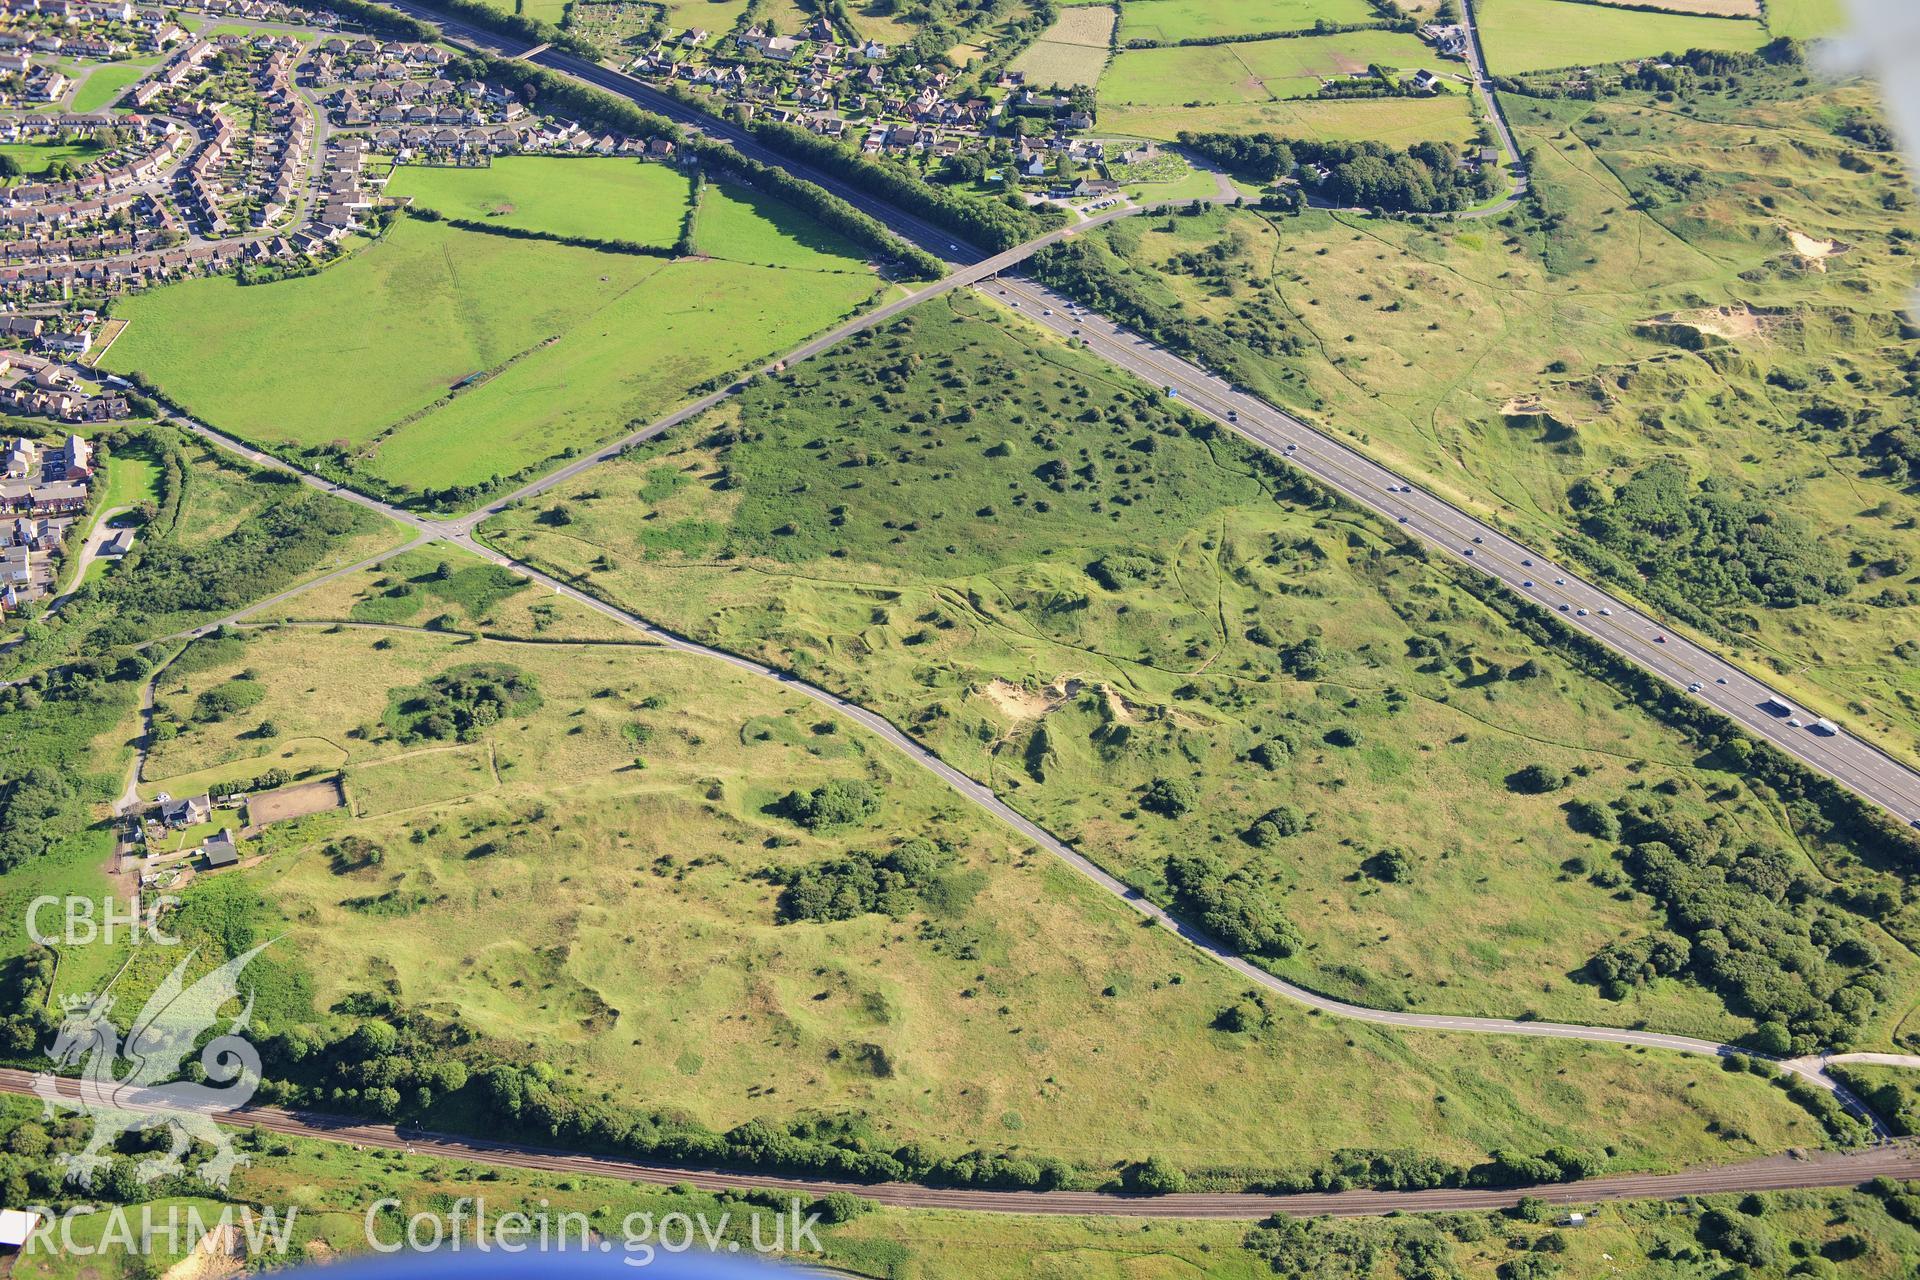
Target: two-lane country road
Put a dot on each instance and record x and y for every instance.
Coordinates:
(1773, 1173)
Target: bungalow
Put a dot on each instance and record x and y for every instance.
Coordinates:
(1425, 81)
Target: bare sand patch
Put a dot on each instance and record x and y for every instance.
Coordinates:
(1815, 252)
(296, 801)
(219, 1253)
(1020, 704)
(1736, 323)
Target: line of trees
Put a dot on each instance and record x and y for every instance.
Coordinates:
(994, 224)
(1427, 177)
(1321, 27)
(425, 214)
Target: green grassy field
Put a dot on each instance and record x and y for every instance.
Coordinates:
(986, 634)
(1399, 122)
(612, 919)
(1166, 21)
(130, 480)
(35, 158)
(599, 199)
(438, 357)
(746, 226)
(385, 333)
(1255, 71)
(688, 322)
(1505, 365)
(108, 80)
(1805, 19)
(1527, 35)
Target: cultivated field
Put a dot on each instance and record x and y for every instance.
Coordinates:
(1167, 21)
(563, 196)
(603, 909)
(1011, 641)
(1528, 35)
(1073, 51)
(439, 357)
(1254, 71)
(1398, 122)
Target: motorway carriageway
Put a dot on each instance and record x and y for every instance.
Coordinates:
(1530, 575)
(1729, 689)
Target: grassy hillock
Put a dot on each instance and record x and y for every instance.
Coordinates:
(1683, 363)
(690, 895)
(1146, 636)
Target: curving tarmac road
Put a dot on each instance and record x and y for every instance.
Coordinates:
(1810, 1069)
(1773, 1173)
(1580, 604)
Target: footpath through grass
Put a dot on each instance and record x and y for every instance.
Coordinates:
(1141, 639)
(597, 884)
